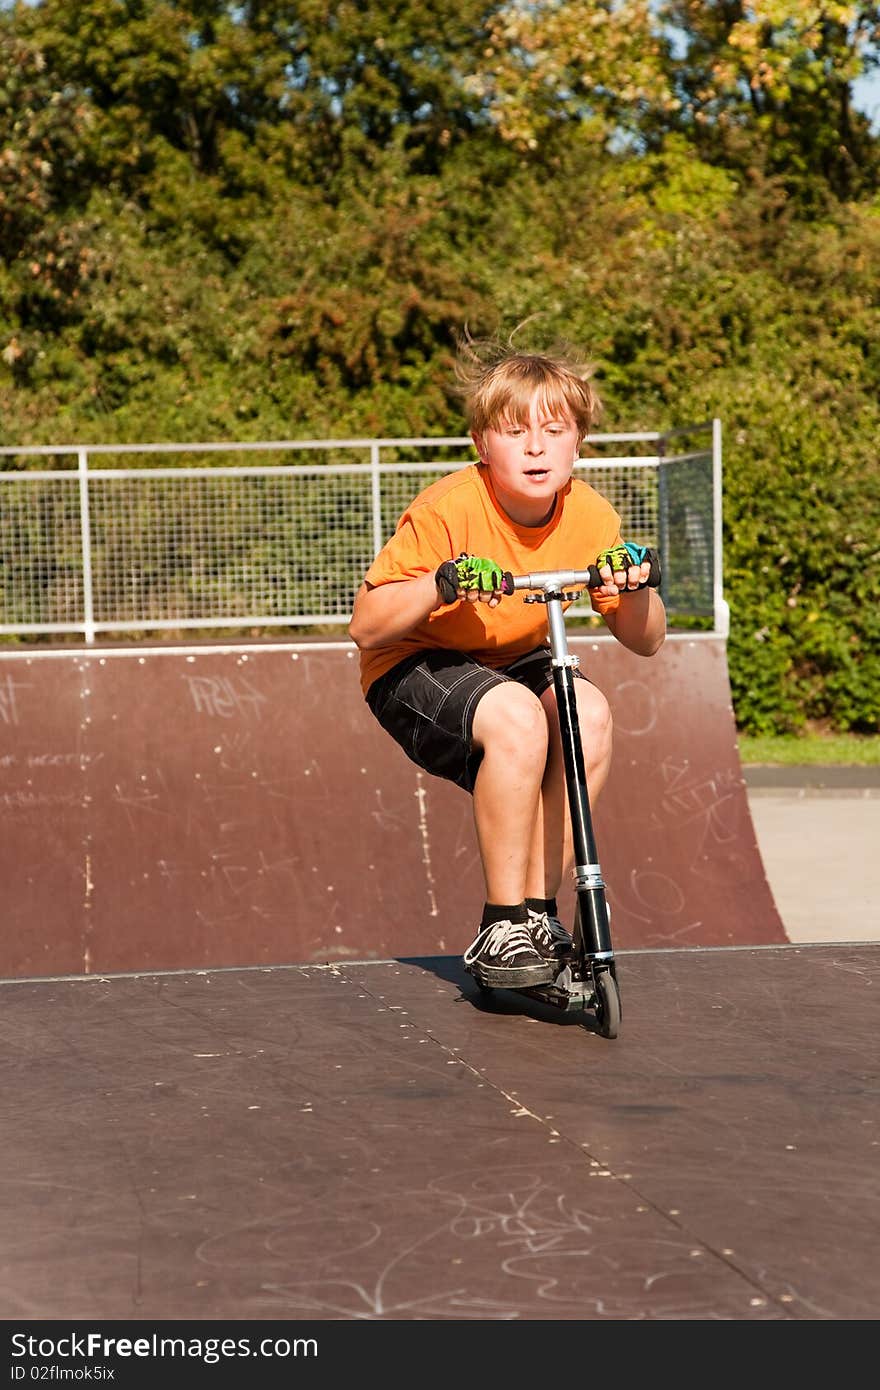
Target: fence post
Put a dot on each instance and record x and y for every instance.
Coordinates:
(86, 544)
(663, 533)
(720, 604)
(376, 492)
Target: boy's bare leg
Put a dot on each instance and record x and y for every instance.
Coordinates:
(551, 854)
(512, 729)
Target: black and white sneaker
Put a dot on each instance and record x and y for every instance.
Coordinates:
(504, 956)
(552, 941)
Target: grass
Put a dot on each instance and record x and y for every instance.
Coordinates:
(814, 750)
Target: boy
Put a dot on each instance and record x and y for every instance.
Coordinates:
(459, 674)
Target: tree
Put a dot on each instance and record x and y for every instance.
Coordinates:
(325, 81)
(769, 84)
(599, 63)
(766, 85)
(45, 256)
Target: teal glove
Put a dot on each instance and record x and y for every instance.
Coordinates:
(621, 557)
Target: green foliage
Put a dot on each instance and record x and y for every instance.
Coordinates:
(768, 86)
(254, 221)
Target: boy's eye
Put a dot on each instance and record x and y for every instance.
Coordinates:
(552, 428)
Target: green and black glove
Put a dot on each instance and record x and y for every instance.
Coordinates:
(470, 572)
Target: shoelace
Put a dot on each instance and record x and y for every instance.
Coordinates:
(504, 939)
(549, 930)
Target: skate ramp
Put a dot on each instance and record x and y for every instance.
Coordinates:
(176, 808)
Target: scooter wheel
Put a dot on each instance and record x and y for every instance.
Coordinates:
(607, 1004)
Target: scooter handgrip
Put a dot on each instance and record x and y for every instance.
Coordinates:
(507, 586)
(595, 580)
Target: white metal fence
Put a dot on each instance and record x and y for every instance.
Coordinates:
(187, 541)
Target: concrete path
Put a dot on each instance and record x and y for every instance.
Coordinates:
(818, 831)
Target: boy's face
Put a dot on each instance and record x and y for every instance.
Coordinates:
(530, 461)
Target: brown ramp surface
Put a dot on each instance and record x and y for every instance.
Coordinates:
(366, 1142)
(200, 807)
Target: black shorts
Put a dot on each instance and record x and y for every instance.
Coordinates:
(427, 703)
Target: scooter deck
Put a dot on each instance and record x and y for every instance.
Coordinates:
(565, 992)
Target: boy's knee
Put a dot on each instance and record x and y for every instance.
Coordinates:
(594, 714)
(595, 719)
(510, 718)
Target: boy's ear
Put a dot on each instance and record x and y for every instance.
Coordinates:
(478, 442)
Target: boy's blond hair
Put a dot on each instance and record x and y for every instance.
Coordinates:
(499, 380)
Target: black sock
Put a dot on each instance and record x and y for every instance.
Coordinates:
(547, 905)
(498, 912)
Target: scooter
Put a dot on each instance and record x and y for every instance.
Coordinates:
(586, 983)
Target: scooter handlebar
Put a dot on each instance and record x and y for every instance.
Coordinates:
(550, 580)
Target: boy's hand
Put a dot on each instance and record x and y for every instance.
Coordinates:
(473, 579)
(627, 567)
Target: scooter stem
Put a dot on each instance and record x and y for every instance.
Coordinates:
(593, 912)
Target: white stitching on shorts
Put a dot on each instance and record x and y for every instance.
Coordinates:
(494, 678)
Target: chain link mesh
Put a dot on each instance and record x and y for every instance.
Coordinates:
(280, 543)
(41, 558)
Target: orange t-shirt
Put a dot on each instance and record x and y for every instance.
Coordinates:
(460, 513)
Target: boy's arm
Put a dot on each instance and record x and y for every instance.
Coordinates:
(631, 574)
(639, 621)
(384, 613)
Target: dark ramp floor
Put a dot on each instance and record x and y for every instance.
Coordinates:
(368, 1142)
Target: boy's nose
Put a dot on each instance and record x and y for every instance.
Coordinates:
(534, 444)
